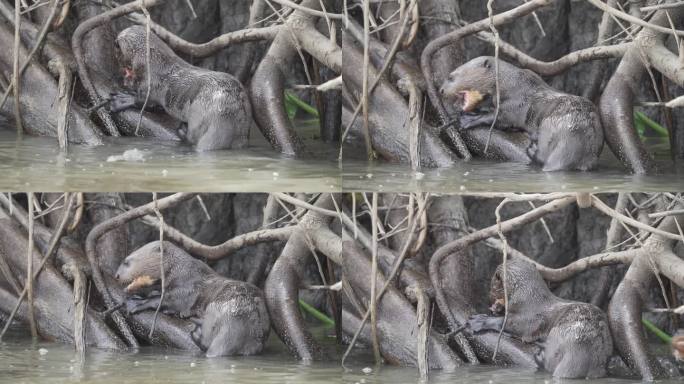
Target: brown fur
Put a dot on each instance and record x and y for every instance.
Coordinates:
(231, 315)
(214, 105)
(565, 130)
(575, 336)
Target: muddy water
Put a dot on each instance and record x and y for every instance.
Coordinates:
(485, 176)
(35, 164)
(22, 362)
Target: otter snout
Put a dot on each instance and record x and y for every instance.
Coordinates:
(442, 90)
(122, 275)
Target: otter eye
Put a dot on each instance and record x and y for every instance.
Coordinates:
(125, 263)
(487, 63)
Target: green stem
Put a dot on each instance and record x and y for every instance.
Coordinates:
(320, 316)
(659, 129)
(301, 104)
(664, 337)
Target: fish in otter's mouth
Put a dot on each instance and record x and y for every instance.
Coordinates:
(128, 73)
(498, 308)
(139, 283)
(470, 100)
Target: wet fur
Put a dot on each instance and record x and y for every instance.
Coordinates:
(214, 105)
(565, 130)
(574, 336)
(231, 315)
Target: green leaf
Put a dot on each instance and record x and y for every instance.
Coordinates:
(320, 316)
(664, 337)
(644, 121)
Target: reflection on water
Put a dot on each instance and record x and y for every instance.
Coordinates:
(35, 163)
(482, 176)
(21, 362)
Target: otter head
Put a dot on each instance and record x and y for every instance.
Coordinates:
(143, 262)
(523, 282)
(131, 52)
(496, 294)
(469, 85)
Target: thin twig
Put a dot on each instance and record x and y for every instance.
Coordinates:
(159, 215)
(39, 41)
(52, 247)
(387, 60)
(16, 74)
(499, 231)
(388, 281)
(29, 270)
(147, 67)
(423, 332)
(365, 92)
(192, 9)
(634, 20)
(374, 279)
(495, 32)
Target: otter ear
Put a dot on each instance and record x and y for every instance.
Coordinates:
(487, 63)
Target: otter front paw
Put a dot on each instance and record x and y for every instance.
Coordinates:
(470, 120)
(183, 131)
(120, 101)
(135, 305)
(481, 322)
(187, 314)
(539, 356)
(196, 336)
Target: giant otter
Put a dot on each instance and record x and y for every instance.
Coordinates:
(231, 315)
(214, 105)
(574, 336)
(565, 130)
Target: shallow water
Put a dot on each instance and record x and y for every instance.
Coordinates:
(35, 164)
(22, 362)
(487, 176)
